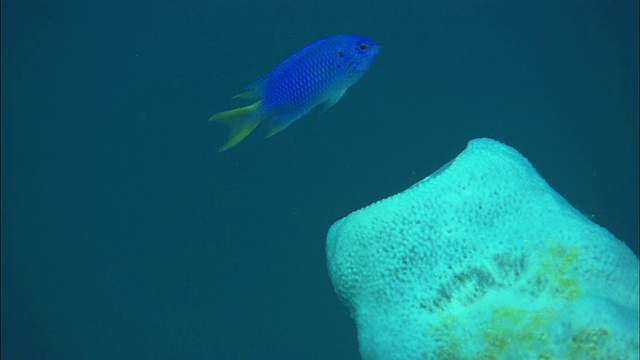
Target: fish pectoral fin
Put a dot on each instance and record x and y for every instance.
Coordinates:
(241, 123)
(281, 122)
(332, 101)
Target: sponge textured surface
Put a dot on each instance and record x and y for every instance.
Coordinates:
(483, 260)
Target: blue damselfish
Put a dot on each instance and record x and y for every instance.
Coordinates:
(319, 74)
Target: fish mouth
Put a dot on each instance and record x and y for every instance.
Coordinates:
(375, 47)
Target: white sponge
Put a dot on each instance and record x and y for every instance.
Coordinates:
(483, 260)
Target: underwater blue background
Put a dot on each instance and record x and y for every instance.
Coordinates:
(126, 235)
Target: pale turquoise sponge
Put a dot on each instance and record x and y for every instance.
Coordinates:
(483, 260)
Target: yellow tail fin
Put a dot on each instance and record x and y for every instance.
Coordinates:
(240, 121)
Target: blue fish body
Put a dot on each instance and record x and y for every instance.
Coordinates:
(319, 74)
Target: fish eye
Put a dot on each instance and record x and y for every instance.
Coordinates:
(362, 47)
(340, 53)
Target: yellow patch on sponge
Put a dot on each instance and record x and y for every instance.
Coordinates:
(515, 327)
(510, 326)
(556, 273)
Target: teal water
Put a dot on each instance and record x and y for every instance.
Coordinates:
(124, 233)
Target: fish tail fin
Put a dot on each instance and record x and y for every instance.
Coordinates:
(241, 122)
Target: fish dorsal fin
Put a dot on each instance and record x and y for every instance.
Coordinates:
(253, 94)
(256, 88)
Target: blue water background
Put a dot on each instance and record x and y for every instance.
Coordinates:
(126, 236)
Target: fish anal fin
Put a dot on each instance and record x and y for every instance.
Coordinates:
(281, 122)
